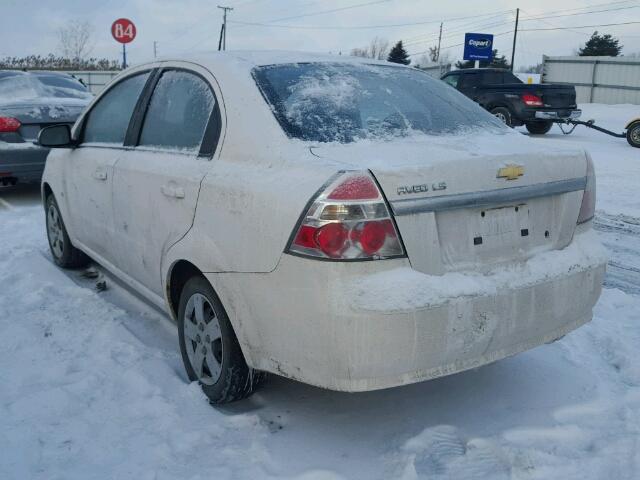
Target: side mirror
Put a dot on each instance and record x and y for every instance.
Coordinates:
(55, 136)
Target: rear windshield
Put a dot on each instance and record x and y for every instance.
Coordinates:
(337, 102)
(25, 86)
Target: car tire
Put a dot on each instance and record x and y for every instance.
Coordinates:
(503, 114)
(64, 254)
(633, 134)
(210, 350)
(538, 128)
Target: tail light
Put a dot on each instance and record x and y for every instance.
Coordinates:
(588, 207)
(532, 100)
(348, 220)
(9, 124)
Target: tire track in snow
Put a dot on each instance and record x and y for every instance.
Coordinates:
(621, 235)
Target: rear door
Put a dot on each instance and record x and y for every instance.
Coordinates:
(469, 83)
(156, 183)
(89, 168)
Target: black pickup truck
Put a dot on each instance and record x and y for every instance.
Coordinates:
(516, 103)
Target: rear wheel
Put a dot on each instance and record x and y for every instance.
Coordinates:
(210, 350)
(633, 134)
(64, 254)
(503, 114)
(538, 128)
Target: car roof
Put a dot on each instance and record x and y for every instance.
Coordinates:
(37, 73)
(472, 70)
(255, 58)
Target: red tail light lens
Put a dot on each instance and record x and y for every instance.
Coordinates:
(9, 124)
(532, 100)
(349, 220)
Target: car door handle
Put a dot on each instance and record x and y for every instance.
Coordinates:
(100, 174)
(173, 191)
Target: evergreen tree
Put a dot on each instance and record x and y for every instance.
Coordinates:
(601, 45)
(498, 61)
(398, 54)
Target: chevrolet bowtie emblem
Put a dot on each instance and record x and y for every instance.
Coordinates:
(511, 172)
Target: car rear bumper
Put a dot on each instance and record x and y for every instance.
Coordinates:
(557, 114)
(372, 325)
(22, 161)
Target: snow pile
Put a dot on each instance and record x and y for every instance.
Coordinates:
(593, 437)
(412, 289)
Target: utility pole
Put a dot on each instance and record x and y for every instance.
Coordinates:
(515, 36)
(224, 26)
(155, 49)
(439, 40)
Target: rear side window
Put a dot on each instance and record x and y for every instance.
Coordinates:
(493, 78)
(109, 119)
(470, 80)
(178, 113)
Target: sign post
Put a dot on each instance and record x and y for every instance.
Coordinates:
(123, 31)
(478, 46)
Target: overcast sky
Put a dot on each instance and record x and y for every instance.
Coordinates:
(30, 26)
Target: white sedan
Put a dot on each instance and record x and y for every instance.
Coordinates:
(344, 222)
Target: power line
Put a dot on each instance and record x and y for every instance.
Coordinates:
(324, 12)
(607, 4)
(360, 27)
(459, 44)
(578, 26)
(581, 13)
(456, 32)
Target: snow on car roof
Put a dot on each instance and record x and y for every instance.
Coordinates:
(254, 58)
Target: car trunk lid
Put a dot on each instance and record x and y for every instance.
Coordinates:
(34, 116)
(472, 202)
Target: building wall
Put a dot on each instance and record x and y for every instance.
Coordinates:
(609, 80)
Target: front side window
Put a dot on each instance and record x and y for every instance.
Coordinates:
(108, 120)
(346, 102)
(178, 113)
(452, 80)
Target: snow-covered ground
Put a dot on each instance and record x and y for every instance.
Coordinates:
(92, 385)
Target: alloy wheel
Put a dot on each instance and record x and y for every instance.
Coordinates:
(501, 116)
(55, 232)
(203, 339)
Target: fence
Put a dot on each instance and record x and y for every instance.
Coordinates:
(608, 80)
(94, 80)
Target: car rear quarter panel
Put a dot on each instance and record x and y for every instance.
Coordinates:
(248, 208)
(256, 190)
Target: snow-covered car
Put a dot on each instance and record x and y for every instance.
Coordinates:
(30, 101)
(348, 223)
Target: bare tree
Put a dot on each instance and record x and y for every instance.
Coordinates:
(432, 58)
(74, 40)
(378, 49)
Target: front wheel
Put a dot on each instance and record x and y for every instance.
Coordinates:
(210, 350)
(64, 254)
(633, 134)
(503, 114)
(538, 128)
